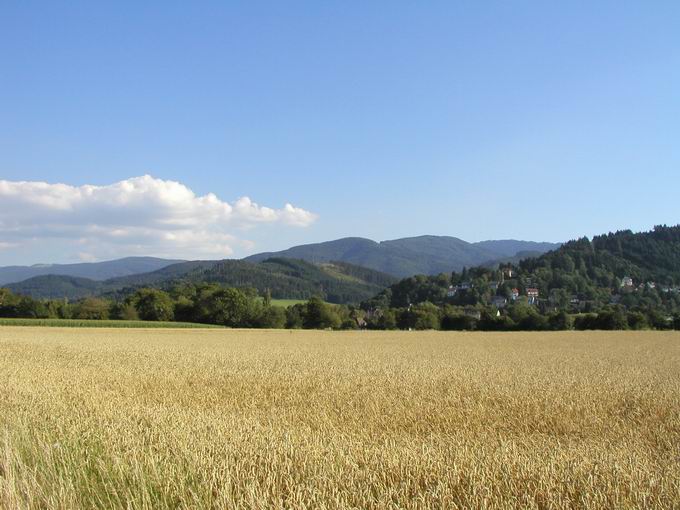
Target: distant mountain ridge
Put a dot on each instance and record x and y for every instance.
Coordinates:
(97, 271)
(336, 282)
(413, 255)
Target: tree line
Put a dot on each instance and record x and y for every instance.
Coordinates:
(244, 308)
(199, 303)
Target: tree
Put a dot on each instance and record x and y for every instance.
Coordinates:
(185, 309)
(31, 309)
(153, 305)
(611, 320)
(232, 307)
(92, 308)
(637, 320)
(560, 321)
(273, 317)
(295, 316)
(533, 321)
(453, 321)
(319, 315)
(383, 319)
(124, 311)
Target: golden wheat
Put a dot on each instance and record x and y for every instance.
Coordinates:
(278, 419)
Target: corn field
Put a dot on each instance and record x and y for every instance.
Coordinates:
(104, 418)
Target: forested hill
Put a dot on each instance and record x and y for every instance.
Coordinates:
(621, 269)
(647, 256)
(412, 255)
(336, 282)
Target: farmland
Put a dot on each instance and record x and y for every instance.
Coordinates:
(161, 418)
(89, 323)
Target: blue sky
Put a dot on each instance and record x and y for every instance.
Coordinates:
(479, 120)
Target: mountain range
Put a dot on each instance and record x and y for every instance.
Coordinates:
(342, 271)
(336, 282)
(92, 270)
(412, 255)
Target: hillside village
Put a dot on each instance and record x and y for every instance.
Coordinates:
(510, 289)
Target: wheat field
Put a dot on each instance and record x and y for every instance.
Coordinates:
(308, 419)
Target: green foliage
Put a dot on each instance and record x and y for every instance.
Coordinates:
(582, 276)
(295, 316)
(153, 305)
(560, 321)
(272, 317)
(457, 321)
(319, 315)
(422, 316)
(383, 319)
(637, 320)
(92, 309)
(277, 278)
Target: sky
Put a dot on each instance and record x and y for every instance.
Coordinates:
(220, 129)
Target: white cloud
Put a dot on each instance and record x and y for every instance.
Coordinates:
(86, 257)
(141, 215)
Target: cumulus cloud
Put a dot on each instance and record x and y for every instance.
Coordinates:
(140, 215)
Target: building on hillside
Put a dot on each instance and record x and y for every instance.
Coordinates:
(452, 291)
(514, 294)
(651, 285)
(508, 273)
(499, 302)
(465, 286)
(626, 281)
(532, 295)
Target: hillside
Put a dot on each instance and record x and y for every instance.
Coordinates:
(56, 287)
(636, 271)
(97, 271)
(409, 256)
(336, 282)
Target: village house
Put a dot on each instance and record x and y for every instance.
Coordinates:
(514, 294)
(532, 294)
(499, 301)
(508, 273)
(452, 291)
(626, 281)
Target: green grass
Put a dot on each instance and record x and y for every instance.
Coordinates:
(81, 323)
(285, 303)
